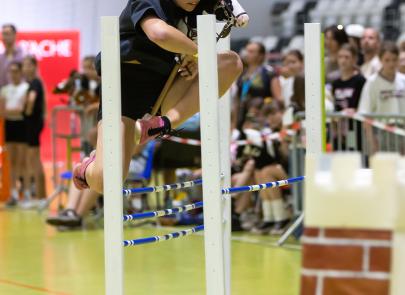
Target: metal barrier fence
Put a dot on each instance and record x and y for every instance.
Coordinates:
(366, 133)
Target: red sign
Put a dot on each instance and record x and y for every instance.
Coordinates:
(57, 53)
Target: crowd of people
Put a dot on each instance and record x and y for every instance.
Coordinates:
(363, 74)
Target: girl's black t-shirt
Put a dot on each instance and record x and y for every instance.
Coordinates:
(37, 114)
(347, 93)
(136, 46)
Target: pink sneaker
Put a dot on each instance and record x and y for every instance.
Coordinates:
(150, 127)
(79, 172)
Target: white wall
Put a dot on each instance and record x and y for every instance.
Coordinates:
(84, 15)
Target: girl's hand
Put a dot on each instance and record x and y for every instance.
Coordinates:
(189, 67)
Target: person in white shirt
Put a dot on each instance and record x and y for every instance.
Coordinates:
(12, 101)
(384, 92)
(370, 45)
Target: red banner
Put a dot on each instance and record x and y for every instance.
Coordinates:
(58, 54)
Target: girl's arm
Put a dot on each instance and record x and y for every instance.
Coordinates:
(31, 97)
(167, 37)
(275, 87)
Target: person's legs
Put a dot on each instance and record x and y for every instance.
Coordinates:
(87, 202)
(94, 171)
(38, 170)
(182, 100)
(272, 201)
(74, 197)
(12, 155)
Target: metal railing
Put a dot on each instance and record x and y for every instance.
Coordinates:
(366, 134)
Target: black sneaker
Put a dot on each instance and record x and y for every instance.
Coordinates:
(279, 227)
(12, 203)
(236, 225)
(263, 227)
(67, 218)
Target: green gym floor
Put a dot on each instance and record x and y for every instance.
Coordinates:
(37, 259)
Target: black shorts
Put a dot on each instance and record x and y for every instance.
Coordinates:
(15, 131)
(140, 89)
(33, 129)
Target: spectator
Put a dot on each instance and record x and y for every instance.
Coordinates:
(384, 92)
(355, 33)
(370, 45)
(271, 166)
(11, 54)
(13, 97)
(292, 80)
(346, 90)
(79, 204)
(34, 111)
(334, 39)
(257, 80)
(346, 93)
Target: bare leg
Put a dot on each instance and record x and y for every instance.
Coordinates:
(34, 166)
(182, 101)
(12, 152)
(94, 172)
(87, 201)
(74, 197)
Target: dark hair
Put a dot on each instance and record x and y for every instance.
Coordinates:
(32, 59)
(90, 58)
(297, 53)
(273, 107)
(350, 48)
(11, 26)
(16, 64)
(390, 47)
(339, 35)
(262, 48)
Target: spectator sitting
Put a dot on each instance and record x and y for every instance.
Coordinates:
(12, 53)
(267, 157)
(13, 97)
(370, 45)
(79, 204)
(271, 166)
(334, 39)
(258, 80)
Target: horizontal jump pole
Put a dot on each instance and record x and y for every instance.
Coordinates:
(226, 191)
(157, 239)
(161, 213)
(161, 188)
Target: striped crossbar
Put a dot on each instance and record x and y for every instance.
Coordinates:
(259, 187)
(157, 239)
(161, 188)
(162, 213)
(226, 191)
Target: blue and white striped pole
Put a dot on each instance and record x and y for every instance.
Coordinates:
(157, 239)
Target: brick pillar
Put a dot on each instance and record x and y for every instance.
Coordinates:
(351, 225)
(339, 261)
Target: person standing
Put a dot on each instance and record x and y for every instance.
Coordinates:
(257, 80)
(11, 54)
(370, 45)
(34, 110)
(12, 100)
